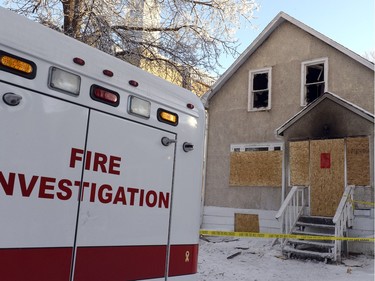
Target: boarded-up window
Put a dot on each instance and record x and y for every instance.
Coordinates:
(358, 161)
(299, 156)
(246, 223)
(255, 168)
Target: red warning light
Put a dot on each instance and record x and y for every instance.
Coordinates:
(104, 95)
(79, 61)
(190, 106)
(108, 73)
(133, 83)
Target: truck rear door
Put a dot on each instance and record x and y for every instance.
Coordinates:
(123, 223)
(38, 190)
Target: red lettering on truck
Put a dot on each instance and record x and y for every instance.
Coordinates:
(51, 188)
(65, 189)
(8, 186)
(100, 162)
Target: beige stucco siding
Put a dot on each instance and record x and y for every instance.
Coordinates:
(231, 123)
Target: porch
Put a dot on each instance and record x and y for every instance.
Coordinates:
(328, 176)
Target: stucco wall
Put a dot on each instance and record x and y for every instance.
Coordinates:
(231, 123)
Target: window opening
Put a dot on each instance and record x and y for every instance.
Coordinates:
(314, 80)
(260, 90)
(256, 148)
(260, 93)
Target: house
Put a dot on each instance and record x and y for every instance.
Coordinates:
(293, 115)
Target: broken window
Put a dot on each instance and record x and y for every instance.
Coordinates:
(314, 76)
(260, 90)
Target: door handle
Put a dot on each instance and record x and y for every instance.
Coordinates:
(167, 141)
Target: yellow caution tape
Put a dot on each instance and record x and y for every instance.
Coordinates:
(363, 202)
(284, 236)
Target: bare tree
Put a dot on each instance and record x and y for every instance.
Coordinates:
(186, 35)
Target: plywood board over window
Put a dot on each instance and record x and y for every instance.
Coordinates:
(358, 161)
(299, 161)
(255, 168)
(246, 222)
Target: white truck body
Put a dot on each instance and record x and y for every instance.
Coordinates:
(88, 189)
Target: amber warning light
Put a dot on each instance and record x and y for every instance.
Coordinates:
(167, 117)
(17, 65)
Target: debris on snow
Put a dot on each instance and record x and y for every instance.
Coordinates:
(260, 260)
(234, 255)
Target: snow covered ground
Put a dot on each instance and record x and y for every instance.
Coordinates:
(258, 260)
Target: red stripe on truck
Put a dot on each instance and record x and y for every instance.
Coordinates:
(114, 263)
(183, 260)
(41, 264)
(134, 262)
(119, 263)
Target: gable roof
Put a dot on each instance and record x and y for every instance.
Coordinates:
(326, 116)
(263, 36)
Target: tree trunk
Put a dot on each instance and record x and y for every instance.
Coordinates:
(72, 17)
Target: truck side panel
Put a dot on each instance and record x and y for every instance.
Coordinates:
(38, 198)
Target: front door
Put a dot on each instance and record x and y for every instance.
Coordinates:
(327, 176)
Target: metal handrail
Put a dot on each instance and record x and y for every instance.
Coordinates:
(343, 218)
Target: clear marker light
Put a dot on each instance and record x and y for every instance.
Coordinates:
(139, 107)
(64, 81)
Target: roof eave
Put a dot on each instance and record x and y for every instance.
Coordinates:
(247, 53)
(328, 95)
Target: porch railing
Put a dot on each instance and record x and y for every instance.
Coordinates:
(292, 208)
(343, 218)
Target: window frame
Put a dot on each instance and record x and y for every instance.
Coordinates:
(259, 146)
(304, 66)
(250, 106)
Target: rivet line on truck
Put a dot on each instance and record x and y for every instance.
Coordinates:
(100, 164)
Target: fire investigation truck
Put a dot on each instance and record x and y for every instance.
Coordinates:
(100, 164)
